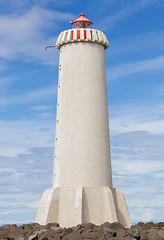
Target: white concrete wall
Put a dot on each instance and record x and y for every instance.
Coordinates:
(70, 206)
(82, 149)
(121, 208)
(82, 34)
(82, 184)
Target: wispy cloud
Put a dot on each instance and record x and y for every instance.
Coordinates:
(127, 11)
(135, 67)
(137, 159)
(132, 117)
(17, 137)
(30, 97)
(5, 81)
(27, 34)
(145, 44)
(46, 115)
(41, 107)
(27, 145)
(16, 187)
(20, 6)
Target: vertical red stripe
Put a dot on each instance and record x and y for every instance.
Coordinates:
(85, 34)
(72, 35)
(78, 34)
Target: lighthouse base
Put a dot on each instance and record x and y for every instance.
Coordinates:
(72, 206)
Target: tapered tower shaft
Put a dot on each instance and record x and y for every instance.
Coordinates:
(82, 149)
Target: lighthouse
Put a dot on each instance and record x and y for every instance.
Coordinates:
(82, 188)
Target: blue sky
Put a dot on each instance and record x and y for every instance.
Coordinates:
(28, 93)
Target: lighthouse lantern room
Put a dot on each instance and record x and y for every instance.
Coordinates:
(82, 22)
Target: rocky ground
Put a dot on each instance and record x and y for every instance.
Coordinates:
(113, 231)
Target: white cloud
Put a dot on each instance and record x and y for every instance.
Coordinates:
(27, 146)
(131, 166)
(46, 115)
(128, 10)
(159, 175)
(135, 67)
(41, 107)
(22, 5)
(17, 137)
(131, 117)
(2, 170)
(137, 158)
(4, 83)
(33, 96)
(26, 35)
(144, 216)
(145, 46)
(134, 166)
(19, 195)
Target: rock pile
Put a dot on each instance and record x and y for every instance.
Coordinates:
(111, 231)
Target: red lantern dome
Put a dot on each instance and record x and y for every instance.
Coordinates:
(82, 22)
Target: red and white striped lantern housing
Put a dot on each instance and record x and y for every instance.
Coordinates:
(82, 22)
(82, 31)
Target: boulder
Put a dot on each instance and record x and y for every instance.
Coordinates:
(105, 231)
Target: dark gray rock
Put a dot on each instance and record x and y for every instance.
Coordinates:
(105, 231)
(153, 235)
(134, 231)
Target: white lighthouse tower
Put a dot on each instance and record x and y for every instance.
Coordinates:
(82, 183)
